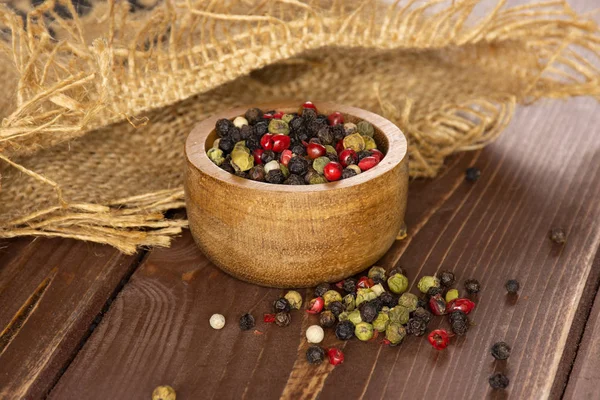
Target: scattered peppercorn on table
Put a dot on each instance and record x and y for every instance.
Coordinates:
(81, 320)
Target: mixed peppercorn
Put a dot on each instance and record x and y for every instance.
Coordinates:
(294, 148)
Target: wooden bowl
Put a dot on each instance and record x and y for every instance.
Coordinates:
(296, 236)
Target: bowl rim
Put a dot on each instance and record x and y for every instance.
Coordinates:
(196, 153)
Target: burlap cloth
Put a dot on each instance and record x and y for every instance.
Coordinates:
(97, 100)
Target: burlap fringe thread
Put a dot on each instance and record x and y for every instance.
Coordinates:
(127, 64)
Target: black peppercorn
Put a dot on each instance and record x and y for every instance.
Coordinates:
(434, 290)
(349, 285)
(388, 300)
(275, 176)
(247, 132)
(332, 157)
(281, 305)
(397, 270)
(557, 235)
(446, 278)
(459, 322)
(253, 115)
(226, 166)
(422, 302)
(223, 127)
(499, 381)
(226, 144)
(246, 322)
(348, 173)
(321, 289)
(257, 173)
(336, 307)
(327, 319)
(261, 128)
(344, 330)
(308, 115)
(283, 319)
(362, 154)
(268, 155)
(294, 179)
(296, 124)
(512, 286)
(472, 174)
(500, 351)
(298, 150)
(325, 135)
(472, 286)
(315, 140)
(315, 355)
(423, 314)
(298, 165)
(338, 132)
(416, 326)
(368, 311)
(235, 134)
(253, 143)
(322, 118)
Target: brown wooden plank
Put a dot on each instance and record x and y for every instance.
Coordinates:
(542, 172)
(50, 292)
(584, 380)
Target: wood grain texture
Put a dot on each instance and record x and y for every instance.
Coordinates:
(296, 235)
(542, 172)
(50, 292)
(584, 379)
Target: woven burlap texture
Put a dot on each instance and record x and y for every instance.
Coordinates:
(96, 107)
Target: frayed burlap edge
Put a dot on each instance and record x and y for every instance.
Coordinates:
(103, 91)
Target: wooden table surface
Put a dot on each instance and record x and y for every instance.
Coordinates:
(81, 321)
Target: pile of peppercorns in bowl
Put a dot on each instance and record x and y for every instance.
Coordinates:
(298, 148)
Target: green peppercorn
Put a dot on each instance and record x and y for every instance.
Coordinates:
(242, 159)
(287, 118)
(365, 128)
(395, 333)
(377, 274)
(279, 127)
(363, 295)
(284, 170)
(319, 164)
(317, 179)
(349, 302)
(378, 289)
(344, 316)
(399, 314)
(354, 317)
(330, 296)
(451, 295)
(409, 301)
(283, 319)
(294, 298)
(330, 150)
(426, 282)
(398, 283)
(216, 143)
(216, 156)
(327, 319)
(165, 392)
(381, 322)
(355, 142)
(369, 142)
(364, 331)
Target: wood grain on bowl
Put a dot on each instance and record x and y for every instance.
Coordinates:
(296, 236)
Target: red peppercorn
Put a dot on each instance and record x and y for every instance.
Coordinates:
(266, 141)
(365, 282)
(340, 284)
(309, 104)
(348, 157)
(257, 154)
(437, 304)
(333, 171)
(339, 146)
(286, 156)
(335, 356)
(278, 115)
(386, 342)
(280, 143)
(464, 305)
(268, 116)
(335, 118)
(315, 150)
(439, 339)
(377, 154)
(269, 318)
(367, 163)
(315, 306)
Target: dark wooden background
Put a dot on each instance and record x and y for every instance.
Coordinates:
(82, 321)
